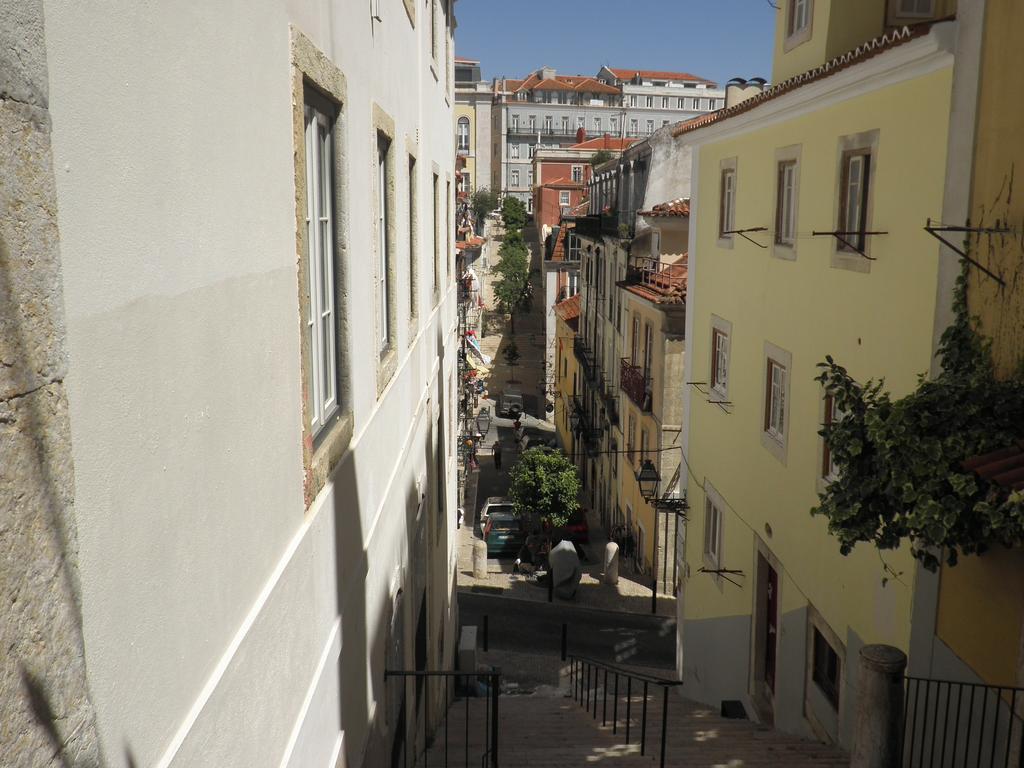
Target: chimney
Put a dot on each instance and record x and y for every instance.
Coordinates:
(546, 73)
(739, 90)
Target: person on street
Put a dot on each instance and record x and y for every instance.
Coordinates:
(497, 455)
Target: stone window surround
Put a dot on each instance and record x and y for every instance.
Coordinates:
(800, 36)
(825, 732)
(727, 164)
(413, 222)
(382, 124)
(310, 67)
(791, 154)
(778, 448)
(713, 497)
(844, 259)
(725, 327)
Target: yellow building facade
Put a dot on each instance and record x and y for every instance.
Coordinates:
(783, 272)
(567, 319)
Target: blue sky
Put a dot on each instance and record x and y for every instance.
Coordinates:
(716, 39)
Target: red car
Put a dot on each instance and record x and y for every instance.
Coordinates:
(577, 530)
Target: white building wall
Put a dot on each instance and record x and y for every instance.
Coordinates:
(226, 624)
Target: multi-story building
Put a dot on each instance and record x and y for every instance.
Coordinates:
(566, 373)
(807, 213)
(234, 507)
(655, 99)
(472, 125)
(548, 109)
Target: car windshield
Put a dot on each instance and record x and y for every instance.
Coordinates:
(505, 524)
(499, 509)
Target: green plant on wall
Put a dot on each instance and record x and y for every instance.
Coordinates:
(900, 460)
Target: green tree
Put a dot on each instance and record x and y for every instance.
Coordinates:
(900, 473)
(600, 157)
(513, 270)
(511, 354)
(513, 213)
(484, 201)
(545, 485)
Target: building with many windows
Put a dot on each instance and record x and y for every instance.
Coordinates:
(235, 506)
(472, 125)
(808, 207)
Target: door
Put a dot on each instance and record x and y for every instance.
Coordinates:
(770, 625)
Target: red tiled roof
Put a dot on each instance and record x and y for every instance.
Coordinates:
(562, 183)
(603, 142)
(559, 83)
(558, 251)
(473, 242)
(678, 207)
(569, 310)
(554, 85)
(667, 286)
(862, 52)
(1004, 467)
(650, 74)
(581, 208)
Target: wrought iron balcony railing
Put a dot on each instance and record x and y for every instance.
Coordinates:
(635, 384)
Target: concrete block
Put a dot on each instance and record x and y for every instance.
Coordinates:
(23, 74)
(611, 563)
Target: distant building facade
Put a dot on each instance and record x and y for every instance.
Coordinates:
(472, 125)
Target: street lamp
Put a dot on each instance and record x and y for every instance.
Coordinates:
(648, 479)
(483, 421)
(574, 421)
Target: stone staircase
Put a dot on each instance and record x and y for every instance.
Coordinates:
(553, 730)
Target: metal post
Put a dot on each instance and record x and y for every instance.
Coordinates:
(565, 640)
(604, 701)
(466, 694)
(629, 703)
(654, 562)
(643, 724)
(664, 721)
(485, 632)
(615, 706)
(495, 693)
(447, 707)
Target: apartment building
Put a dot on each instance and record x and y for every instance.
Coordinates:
(808, 207)
(228, 421)
(655, 99)
(472, 125)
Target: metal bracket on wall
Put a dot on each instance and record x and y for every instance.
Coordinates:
(743, 233)
(996, 230)
(700, 387)
(724, 573)
(841, 236)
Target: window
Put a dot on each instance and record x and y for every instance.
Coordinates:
(634, 126)
(547, 123)
(383, 246)
(529, 177)
(513, 151)
(634, 345)
(515, 123)
(650, 126)
(916, 7)
(799, 16)
(321, 322)
(664, 102)
(826, 668)
(727, 203)
(466, 182)
(565, 125)
(413, 256)
(631, 439)
(643, 444)
(679, 102)
(515, 177)
(785, 203)
(437, 232)
(712, 532)
(775, 400)
(574, 277)
(650, 101)
(853, 197)
(664, 123)
(577, 173)
(449, 228)
(720, 361)
(579, 121)
(463, 133)
(563, 198)
(614, 122)
(648, 350)
(829, 470)
(530, 149)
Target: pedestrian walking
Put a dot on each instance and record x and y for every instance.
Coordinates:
(497, 454)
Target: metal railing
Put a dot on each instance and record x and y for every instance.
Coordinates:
(587, 685)
(948, 724)
(484, 754)
(635, 384)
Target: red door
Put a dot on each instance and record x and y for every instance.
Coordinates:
(771, 619)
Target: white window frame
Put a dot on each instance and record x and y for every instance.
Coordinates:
(563, 197)
(650, 127)
(580, 121)
(463, 133)
(634, 126)
(515, 122)
(577, 173)
(513, 151)
(728, 178)
(777, 405)
(714, 519)
(902, 11)
(549, 123)
(384, 262)
(597, 124)
(530, 150)
(664, 102)
(321, 322)
(721, 343)
(514, 177)
(614, 123)
(565, 124)
(649, 102)
(799, 21)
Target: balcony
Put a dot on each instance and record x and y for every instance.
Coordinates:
(526, 130)
(635, 384)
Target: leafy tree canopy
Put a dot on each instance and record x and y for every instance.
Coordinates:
(900, 461)
(484, 201)
(545, 484)
(600, 157)
(513, 213)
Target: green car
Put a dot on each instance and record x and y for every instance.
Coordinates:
(504, 533)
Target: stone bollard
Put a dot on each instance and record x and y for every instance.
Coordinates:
(479, 559)
(611, 563)
(879, 714)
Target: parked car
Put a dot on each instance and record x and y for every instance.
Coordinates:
(497, 504)
(511, 404)
(577, 530)
(504, 533)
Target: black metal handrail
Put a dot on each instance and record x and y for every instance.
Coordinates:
(585, 676)
(949, 723)
(488, 758)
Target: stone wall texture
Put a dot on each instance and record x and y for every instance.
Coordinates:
(46, 718)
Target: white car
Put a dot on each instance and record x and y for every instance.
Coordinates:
(498, 503)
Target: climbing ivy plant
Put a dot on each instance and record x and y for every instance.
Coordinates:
(900, 460)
